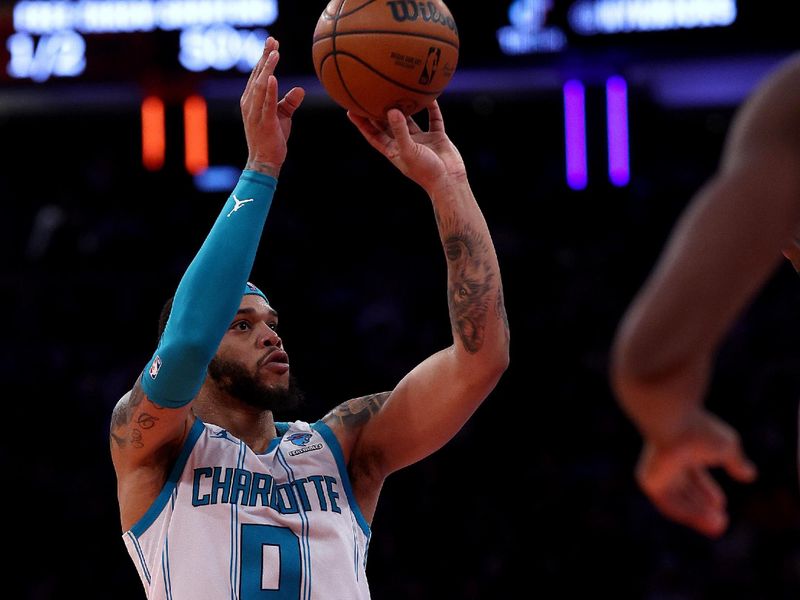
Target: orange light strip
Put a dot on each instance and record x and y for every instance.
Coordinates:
(195, 127)
(154, 139)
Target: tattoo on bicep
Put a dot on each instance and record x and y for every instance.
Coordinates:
(123, 411)
(356, 412)
(146, 421)
(136, 439)
(470, 282)
(123, 414)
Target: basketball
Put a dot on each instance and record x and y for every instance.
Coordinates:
(372, 56)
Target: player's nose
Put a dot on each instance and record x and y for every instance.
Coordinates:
(269, 337)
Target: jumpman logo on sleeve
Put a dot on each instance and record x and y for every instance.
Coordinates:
(239, 204)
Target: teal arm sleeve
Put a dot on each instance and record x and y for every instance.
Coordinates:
(209, 295)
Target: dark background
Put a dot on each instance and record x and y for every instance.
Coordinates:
(535, 497)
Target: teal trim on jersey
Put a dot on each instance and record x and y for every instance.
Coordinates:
(142, 562)
(355, 555)
(336, 450)
(165, 569)
(281, 427)
(172, 481)
(234, 562)
(273, 444)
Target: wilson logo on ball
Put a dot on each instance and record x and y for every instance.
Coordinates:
(408, 10)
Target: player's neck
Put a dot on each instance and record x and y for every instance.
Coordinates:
(254, 426)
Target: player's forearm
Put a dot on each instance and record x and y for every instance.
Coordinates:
(664, 347)
(474, 287)
(659, 398)
(209, 294)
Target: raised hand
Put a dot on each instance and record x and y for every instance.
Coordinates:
(427, 157)
(267, 121)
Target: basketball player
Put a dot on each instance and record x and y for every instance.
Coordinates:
(723, 249)
(217, 500)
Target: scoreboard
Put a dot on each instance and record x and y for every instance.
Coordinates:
(121, 39)
(131, 40)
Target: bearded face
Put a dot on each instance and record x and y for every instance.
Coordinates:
(242, 383)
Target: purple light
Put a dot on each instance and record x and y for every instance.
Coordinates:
(575, 134)
(619, 171)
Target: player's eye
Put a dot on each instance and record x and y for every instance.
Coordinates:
(241, 326)
(273, 325)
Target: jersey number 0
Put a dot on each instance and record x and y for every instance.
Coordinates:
(270, 563)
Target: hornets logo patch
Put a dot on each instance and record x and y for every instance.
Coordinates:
(301, 440)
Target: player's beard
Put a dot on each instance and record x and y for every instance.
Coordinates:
(234, 378)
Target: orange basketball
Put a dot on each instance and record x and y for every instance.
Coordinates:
(375, 55)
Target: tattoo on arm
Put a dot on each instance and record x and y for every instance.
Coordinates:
(470, 281)
(354, 413)
(136, 439)
(261, 167)
(146, 421)
(124, 410)
(122, 416)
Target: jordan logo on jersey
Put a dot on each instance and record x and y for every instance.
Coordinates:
(222, 434)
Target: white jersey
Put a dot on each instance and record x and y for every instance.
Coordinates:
(231, 524)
